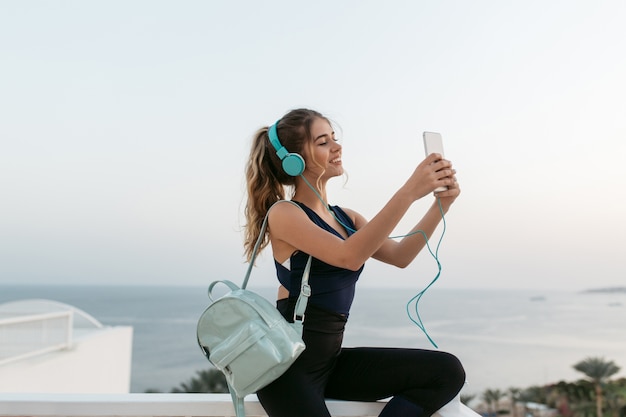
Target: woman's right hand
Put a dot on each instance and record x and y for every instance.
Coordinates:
(433, 172)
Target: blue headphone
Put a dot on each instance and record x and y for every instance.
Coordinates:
(293, 163)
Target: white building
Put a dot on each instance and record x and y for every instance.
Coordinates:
(51, 347)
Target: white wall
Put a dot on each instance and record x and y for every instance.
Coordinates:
(99, 362)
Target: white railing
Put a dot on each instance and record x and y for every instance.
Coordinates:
(25, 336)
(152, 405)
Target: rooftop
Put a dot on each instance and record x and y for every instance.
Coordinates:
(42, 339)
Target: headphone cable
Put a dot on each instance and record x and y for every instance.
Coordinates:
(418, 319)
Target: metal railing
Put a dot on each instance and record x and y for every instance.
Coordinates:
(30, 335)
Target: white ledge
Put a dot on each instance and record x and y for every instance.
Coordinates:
(152, 405)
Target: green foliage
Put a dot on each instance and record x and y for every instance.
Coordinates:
(467, 398)
(582, 398)
(615, 395)
(578, 392)
(571, 399)
(210, 380)
(534, 394)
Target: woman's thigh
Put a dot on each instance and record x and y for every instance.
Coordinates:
(293, 394)
(428, 378)
(299, 392)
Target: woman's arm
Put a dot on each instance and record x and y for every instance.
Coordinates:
(401, 253)
(290, 226)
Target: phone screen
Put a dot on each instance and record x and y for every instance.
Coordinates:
(433, 143)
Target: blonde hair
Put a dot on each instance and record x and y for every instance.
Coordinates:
(266, 182)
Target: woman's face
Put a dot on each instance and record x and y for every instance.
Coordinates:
(323, 156)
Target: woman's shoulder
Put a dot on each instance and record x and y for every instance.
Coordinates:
(285, 210)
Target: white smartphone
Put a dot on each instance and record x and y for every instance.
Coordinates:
(433, 143)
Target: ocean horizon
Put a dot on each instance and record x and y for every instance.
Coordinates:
(505, 338)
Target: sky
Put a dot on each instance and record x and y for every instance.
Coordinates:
(125, 127)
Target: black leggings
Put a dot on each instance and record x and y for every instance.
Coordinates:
(421, 381)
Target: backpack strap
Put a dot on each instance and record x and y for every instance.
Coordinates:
(240, 410)
(303, 298)
(260, 239)
(305, 288)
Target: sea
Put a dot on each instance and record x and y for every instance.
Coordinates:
(505, 338)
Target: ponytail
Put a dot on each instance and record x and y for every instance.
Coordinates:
(266, 181)
(263, 187)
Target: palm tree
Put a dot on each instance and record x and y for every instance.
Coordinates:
(514, 396)
(487, 397)
(497, 396)
(597, 370)
(492, 398)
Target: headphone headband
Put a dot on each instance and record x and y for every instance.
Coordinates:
(280, 149)
(293, 163)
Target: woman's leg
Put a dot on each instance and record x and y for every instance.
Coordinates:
(399, 406)
(427, 379)
(299, 392)
(293, 394)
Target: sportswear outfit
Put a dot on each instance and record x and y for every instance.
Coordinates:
(419, 381)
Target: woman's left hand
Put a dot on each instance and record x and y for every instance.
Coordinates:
(448, 196)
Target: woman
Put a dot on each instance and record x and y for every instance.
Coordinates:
(340, 240)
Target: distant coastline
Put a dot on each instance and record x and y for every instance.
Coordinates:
(606, 290)
(547, 331)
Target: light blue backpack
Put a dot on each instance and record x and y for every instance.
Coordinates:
(243, 335)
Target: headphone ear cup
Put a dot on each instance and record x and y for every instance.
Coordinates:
(293, 164)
